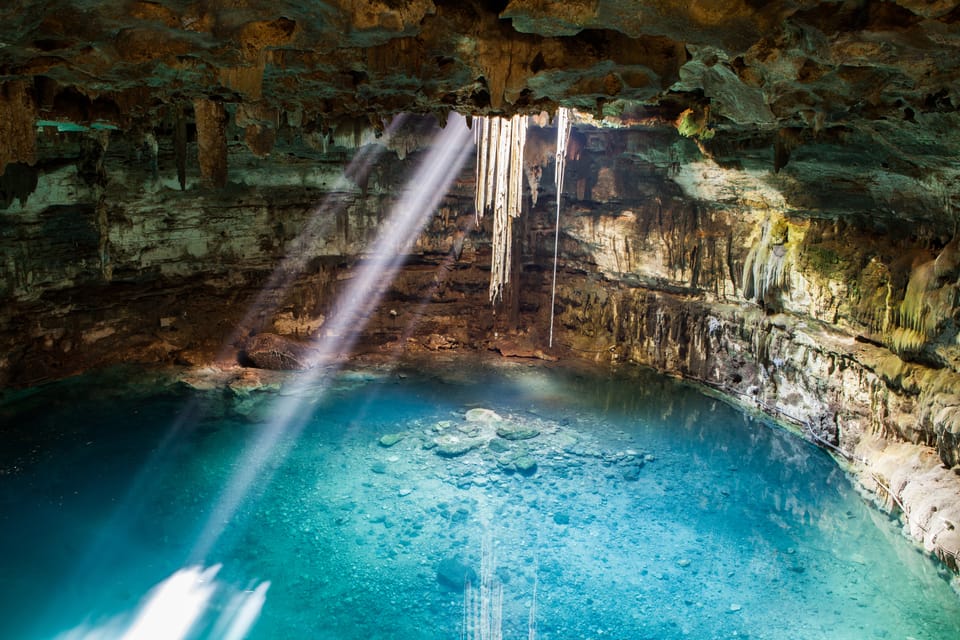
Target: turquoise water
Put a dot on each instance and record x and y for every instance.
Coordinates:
(628, 509)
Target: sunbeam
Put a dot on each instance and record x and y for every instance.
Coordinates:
(424, 190)
(181, 604)
(297, 254)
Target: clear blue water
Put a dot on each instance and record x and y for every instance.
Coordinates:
(652, 512)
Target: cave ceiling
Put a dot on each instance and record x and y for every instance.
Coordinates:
(849, 96)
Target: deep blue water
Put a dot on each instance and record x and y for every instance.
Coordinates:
(642, 509)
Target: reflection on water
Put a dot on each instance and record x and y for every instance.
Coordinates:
(577, 506)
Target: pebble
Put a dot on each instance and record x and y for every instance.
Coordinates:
(391, 439)
(510, 431)
(525, 465)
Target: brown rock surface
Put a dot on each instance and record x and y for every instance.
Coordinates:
(277, 353)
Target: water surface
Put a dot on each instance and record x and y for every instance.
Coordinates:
(638, 508)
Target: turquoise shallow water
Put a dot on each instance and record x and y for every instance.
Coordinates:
(638, 509)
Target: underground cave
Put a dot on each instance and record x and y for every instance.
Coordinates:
(430, 319)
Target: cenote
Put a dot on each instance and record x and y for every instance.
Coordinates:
(576, 505)
(387, 282)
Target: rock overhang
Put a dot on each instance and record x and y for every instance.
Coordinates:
(848, 95)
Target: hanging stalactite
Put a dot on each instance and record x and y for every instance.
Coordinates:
(500, 143)
(563, 134)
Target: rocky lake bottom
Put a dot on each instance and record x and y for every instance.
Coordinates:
(471, 501)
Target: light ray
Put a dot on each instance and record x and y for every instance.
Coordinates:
(295, 258)
(174, 606)
(241, 613)
(184, 607)
(425, 189)
(297, 253)
(181, 606)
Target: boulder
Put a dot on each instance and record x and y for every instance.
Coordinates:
(273, 351)
(453, 572)
(525, 465)
(391, 439)
(452, 446)
(482, 415)
(513, 431)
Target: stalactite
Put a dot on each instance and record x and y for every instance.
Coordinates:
(482, 134)
(927, 305)
(766, 268)
(180, 146)
(211, 119)
(563, 134)
(500, 143)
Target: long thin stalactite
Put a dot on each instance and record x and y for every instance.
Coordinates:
(563, 135)
(500, 143)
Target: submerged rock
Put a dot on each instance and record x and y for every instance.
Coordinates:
(631, 472)
(482, 415)
(512, 431)
(498, 446)
(525, 465)
(453, 572)
(451, 446)
(391, 439)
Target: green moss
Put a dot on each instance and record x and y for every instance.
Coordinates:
(907, 342)
(691, 124)
(779, 231)
(686, 125)
(823, 260)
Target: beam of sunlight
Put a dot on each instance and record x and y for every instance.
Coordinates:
(428, 185)
(181, 607)
(241, 612)
(296, 256)
(174, 606)
(425, 189)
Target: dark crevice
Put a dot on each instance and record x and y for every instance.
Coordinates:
(17, 183)
(538, 64)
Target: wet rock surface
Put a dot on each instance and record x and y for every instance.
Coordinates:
(272, 351)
